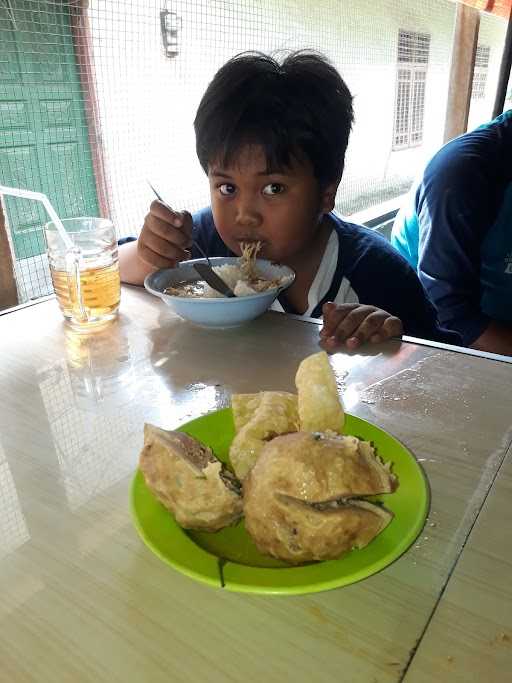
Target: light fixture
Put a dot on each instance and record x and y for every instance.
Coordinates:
(170, 24)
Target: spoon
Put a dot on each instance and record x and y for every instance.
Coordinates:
(205, 270)
(214, 280)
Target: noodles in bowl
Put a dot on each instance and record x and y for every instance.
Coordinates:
(243, 278)
(195, 301)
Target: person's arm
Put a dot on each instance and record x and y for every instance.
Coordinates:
(456, 206)
(132, 269)
(496, 338)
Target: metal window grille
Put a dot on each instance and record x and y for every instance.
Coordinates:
(413, 57)
(413, 48)
(482, 57)
(96, 96)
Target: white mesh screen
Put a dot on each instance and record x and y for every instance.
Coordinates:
(95, 100)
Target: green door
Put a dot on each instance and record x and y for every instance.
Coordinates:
(43, 130)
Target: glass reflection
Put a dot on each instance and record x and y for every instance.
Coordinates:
(96, 424)
(101, 367)
(13, 527)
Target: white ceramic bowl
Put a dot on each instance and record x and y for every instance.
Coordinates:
(216, 312)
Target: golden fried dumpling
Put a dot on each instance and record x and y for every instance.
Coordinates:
(189, 480)
(315, 467)
(319, 404)
(296, 532)
(258, 419)
(244, 406)
(302, 499)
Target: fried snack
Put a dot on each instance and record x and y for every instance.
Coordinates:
(274, 413)
(244, 406)
(189, 480)
(302, 499)
(320, 407)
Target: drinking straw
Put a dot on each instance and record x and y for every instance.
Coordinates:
(40, 197)
(73, 252)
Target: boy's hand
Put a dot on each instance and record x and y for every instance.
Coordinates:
(354, 324)
(165, 237)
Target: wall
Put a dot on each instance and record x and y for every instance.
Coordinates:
(492, 32)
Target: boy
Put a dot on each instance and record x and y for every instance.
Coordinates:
(272, 138)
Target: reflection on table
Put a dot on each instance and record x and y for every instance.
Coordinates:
(13, 527)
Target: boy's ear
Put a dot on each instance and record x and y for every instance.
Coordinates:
(328, 197)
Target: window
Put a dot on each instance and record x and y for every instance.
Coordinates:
(480, 73)
(413, 53)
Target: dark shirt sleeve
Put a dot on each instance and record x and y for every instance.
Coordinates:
(456, 204)
(205, 234)
(417, 313)
(125, 240)
(381, 277)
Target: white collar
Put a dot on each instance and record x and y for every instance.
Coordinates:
(323, 278)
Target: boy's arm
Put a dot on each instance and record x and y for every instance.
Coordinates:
(131, 268)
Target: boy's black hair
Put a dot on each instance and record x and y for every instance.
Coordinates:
(298, 109)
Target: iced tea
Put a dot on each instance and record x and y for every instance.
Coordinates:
(85, 276)
(101, 291)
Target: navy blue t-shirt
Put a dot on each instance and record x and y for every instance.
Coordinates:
(456, 229)
(377, 274)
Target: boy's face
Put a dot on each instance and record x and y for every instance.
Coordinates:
(281, 210)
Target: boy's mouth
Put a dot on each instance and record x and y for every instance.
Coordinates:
(250, 240)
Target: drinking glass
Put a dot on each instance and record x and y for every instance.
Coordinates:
(86, 279)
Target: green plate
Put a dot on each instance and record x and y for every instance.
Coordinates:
(229, 559)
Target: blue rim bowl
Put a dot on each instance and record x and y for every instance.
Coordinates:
(220, 311)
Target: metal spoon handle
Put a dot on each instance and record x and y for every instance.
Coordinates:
(213, 279)
(201, 251)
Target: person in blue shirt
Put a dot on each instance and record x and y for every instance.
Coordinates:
(271, 138)
(456, 230)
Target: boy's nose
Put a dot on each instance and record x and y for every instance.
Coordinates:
(247, 214)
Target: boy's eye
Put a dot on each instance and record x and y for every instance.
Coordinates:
(273, 188)
(227, 189)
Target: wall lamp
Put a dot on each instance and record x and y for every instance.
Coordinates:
(170, 25)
